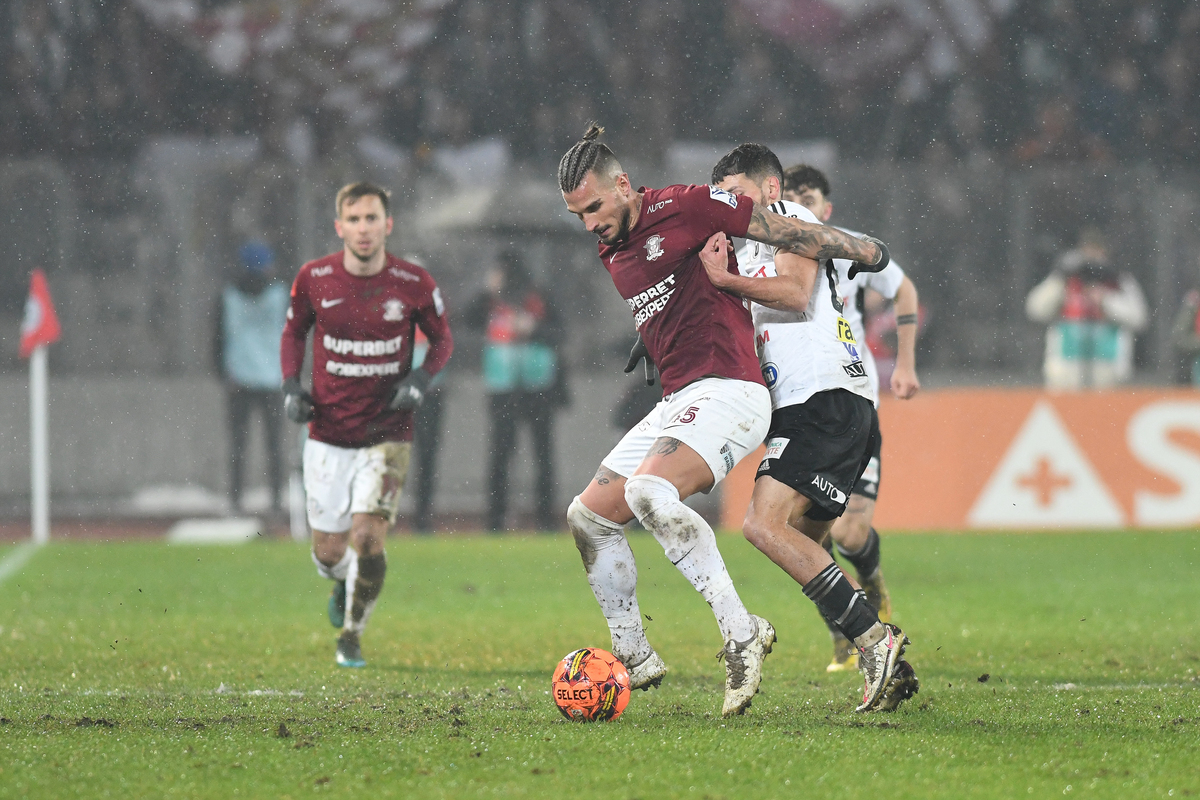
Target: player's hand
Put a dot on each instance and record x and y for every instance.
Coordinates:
(297, 403)
(715, 258)
(410, 391)
(905, 384)
(885, 258)
(638, 353)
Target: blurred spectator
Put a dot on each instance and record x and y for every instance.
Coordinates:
(524, 381)
(1092, 311)
(1186, 334)
(250, 317)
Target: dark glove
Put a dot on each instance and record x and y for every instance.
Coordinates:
(297, 403)
(884, 259)
(410, 391)
(639, 352)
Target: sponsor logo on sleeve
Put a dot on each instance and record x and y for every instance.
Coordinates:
(393, 310)
(438, 305)
(722, 196)
(654, 247)
(404, 274)
(646, 304)
(727, 457)
(770, 374)
(775, 447)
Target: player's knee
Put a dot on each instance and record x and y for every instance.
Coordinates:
(329, 551)
(590, 531)
(755, 528)
(646, 494)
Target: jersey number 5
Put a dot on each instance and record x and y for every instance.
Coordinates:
(689, 415)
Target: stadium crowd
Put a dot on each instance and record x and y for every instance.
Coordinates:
(1042, 80)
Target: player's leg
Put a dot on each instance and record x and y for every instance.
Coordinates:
(710, 426)
(327, 477)
(596, 519)
(816, 452)
(857, 541)
(379, 474)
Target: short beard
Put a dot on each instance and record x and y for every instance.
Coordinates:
(622, 229)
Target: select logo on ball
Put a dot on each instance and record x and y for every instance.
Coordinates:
(590, 685)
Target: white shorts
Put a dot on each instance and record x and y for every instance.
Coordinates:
(723, 420)
(342, 481)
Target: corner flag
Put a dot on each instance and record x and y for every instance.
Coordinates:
(40, 325)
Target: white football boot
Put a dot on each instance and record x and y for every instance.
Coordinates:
(743, 667)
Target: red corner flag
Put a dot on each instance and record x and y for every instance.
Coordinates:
(40, 325)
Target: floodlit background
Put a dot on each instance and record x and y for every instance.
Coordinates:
(142, 142)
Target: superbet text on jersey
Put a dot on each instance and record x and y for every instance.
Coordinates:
(364, 329)
(691, 328)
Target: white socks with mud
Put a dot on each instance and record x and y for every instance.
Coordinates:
(340, 570)
(364, 582)
(612, 574)
(691, 546)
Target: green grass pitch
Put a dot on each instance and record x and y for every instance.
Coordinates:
(1050, 665)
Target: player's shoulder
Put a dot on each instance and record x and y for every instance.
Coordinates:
(321, 267)
(407, 272)
(786, 208)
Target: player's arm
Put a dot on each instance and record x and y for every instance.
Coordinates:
(904, 377)
(814, 240)
(789, 290)
(432, 321)
(297, 403)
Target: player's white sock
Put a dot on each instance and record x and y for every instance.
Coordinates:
(338, 571)
(612, 574)
(691, 546)
(364, 582)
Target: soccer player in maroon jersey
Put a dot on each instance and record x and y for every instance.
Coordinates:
(364, 306)
(715, 408)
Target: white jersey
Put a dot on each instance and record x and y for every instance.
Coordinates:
(887, 283)
(802, 353)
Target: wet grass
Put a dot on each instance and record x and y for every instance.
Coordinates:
(1049, 665)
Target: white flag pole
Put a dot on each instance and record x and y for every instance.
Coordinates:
(39, 445)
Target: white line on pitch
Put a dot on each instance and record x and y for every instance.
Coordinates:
(17, 559)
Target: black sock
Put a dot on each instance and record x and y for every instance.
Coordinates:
(840, 603)
(866, 560)
(827, 543)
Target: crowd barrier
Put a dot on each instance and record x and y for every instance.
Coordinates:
(1026, 459)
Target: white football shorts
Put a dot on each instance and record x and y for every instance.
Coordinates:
(721, 419)
(342, 481)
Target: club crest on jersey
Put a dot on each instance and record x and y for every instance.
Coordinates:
(393, 311)
(654, 247)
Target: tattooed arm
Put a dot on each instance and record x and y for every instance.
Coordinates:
(814, 240)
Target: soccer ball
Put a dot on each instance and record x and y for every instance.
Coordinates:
(590, 685)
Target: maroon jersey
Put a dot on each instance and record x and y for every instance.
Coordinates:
(363, 340)
(691, 328)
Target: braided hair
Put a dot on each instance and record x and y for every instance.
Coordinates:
(586, 155)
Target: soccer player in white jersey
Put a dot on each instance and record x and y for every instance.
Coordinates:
(823, 425)
(853, 533)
